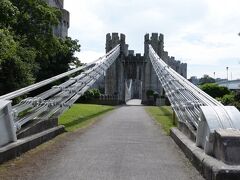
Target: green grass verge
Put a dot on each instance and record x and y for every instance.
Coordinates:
(163, 115)
(82, 115)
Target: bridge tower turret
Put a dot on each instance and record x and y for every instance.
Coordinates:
(157, 42)
(114, 79)
(150, 80)
(136, 68)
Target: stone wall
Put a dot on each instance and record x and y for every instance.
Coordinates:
(157, 42)
(55, 3)
(134, 70)
(114, 79)
(151, 81)
(137, 68)
(62, 29)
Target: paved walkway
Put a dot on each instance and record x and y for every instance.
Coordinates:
(134, 102)
(125, 145)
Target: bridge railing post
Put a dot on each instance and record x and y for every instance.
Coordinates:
(200, 116)
(7, 129)
(53, 101)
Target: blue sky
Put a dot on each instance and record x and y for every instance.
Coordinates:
(202, 33)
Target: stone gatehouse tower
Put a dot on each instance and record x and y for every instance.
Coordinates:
(62, 29)
(132, 75)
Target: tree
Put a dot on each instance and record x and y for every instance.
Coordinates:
(8, 13)
(149, 93)
(55, 56)
(215, 90)
(206, 79)
(35, 19)
(16, 63)
(237, 96)
(7, 45)
(232, 99)
(29, 50)
(89, 95)
(35, 22)
(227, 99)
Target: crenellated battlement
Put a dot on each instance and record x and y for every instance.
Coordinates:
(114, 39)
(157, 42)
(137, 68)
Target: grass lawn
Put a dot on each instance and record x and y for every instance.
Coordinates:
(82, 115)
(163, 115)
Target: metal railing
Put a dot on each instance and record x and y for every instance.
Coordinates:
(193, 106)
(128, 89)
(59, 98)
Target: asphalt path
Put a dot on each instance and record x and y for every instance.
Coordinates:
(126, 144)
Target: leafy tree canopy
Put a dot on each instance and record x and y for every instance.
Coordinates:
(215, 90)
(16, 63)
(8, 46)
(8, 13)
(206, 79)
(29, 51)
(232, 99)
(35, 18)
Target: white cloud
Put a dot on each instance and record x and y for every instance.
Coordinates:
(89, 56)
(202, 33)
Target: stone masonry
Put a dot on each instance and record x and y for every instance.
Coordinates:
(150, 81)
(137, 69)
(62, 29)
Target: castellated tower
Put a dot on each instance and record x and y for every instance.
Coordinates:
(151, 81)
(114, 82)
(136, 71)
(62, 29)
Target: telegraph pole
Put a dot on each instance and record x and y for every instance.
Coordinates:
(227, 72)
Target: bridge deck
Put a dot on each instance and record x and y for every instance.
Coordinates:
(125, 144)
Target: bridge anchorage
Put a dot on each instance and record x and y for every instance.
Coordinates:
(214, 127)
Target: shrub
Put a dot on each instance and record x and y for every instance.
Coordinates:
(236, 104)
(155, 95)
(149, 93)
(215, 90)
(237, 96)
(90, 95)
(227, 99)
(96, 93)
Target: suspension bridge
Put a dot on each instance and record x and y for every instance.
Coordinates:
(210, 127)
